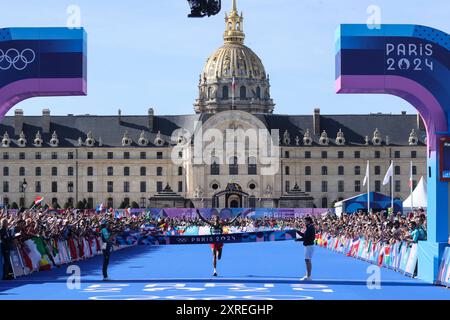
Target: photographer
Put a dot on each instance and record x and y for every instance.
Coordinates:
(6, 244)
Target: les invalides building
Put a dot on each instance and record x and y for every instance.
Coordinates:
(152, 159)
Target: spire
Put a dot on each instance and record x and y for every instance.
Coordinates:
(234, 31)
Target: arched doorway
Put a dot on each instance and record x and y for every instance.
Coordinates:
(231, 197)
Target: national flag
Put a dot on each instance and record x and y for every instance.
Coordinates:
(410, 182)
(366, 177)
(127, 211)
(99, 208)
(38, 200)
(117, 214)
(389, 174)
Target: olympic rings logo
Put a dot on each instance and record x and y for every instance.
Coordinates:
(181, 240)
(13, 58)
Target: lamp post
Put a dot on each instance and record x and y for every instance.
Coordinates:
(24, 187)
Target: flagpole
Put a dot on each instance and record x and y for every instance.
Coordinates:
(368, 186)
(392, 187)
(411, 186)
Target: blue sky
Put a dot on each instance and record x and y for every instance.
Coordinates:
(147, 53)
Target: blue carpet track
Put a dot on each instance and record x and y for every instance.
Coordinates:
(262, 271)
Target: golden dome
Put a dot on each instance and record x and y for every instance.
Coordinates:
(234, 60)
(234, 76)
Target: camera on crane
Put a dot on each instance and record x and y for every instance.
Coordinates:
(201, 8)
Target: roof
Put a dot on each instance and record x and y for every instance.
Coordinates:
(111, 131)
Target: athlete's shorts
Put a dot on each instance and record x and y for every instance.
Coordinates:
(216, 246)
(309, 252)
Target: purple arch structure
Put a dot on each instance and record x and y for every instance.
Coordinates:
(411, 62)
(41, 62)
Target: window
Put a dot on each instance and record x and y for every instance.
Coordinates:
(252, 201)
(357, 170)
(341, 170)
(357, 154)
(397, 154)
(397, 170)
(6, 171)
(286, 154)
(286, 170)
(70, 171)
(54, 186)
(38, 171)
(70, 155)
(397, 185)
(22, 155)
(55, 202)
(54, 171)
(307, 171)
(143, 171)
(357, 186)
(307, 154)
(180, 154)
(110, 186)
(159, 171)
(180, 171)
(287, 186)
(340, 154)
(252, 166)
(324, 202)
(126, 155)
(143, 155)
(90, 186)
(233, 166)
(414, 184)
(377, 185)
(243, 93)
(324, 170)
(126, 171)
(159, 186)
(180, 186)
(159, 155)
(5, 186)
(377, 154)
(215, 168)
(90, 171)
(110, 155)
(377, 170)
(414, 170)
(21, 171)
(324, 154)
(143, 186)
(308, 186)
(5, 155)
(54, 155)
(126, 186)
(37, 186)
(340, 186)
(110, 171)
(70, 186)
(143, 202)
(324, 186)
(90, 202)
(413, 154)
(110, 203)
(90, 155)
(225, 93)
(38, 156)
(258, 92)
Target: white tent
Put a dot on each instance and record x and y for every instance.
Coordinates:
(419, 196)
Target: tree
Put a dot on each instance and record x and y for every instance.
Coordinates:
(122, 205)
(66, 206)
(80, 205)
(55, 205)
(14, 205)
(135, 205)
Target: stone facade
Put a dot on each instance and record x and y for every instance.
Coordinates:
(116, 159)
